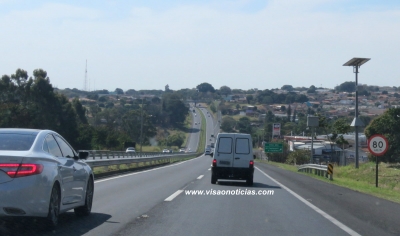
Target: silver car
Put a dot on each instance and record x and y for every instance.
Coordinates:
(41, 175)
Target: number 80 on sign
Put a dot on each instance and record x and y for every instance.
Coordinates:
(378, 145)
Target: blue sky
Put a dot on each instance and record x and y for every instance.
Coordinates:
(239, 43)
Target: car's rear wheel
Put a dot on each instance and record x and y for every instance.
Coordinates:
(87, 208)
(51, 220)
(213, 179)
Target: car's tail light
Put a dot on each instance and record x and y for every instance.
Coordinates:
(15, 170)
(214, 163)
(251, 164)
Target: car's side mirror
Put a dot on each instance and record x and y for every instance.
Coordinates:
(254, 156)
(83, 154)
(212, 154)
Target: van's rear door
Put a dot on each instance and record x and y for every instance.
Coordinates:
(224, 153)
(243, 152)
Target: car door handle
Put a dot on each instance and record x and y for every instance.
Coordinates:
(237, 158)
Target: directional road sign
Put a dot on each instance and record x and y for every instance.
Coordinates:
(273, 147)
(378, 145)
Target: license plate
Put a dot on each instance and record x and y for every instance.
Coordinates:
(225, 162)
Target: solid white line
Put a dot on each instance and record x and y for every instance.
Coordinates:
(209, 169)
(201, 176)
(324, 214)
(170, 198)
(136, 173)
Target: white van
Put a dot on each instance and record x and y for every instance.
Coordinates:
(233, 158)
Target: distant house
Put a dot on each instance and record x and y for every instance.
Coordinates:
(346, 102)
(249, 112)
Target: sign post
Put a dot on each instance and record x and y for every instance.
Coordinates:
(377, 145)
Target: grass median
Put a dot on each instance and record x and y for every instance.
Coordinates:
(361, 179)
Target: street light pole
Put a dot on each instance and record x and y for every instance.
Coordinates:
(356, 63)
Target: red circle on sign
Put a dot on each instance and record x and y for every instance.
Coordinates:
(378, 137)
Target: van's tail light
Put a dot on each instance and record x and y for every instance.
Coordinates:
(15, 170)
(251, 164)
(214, 163)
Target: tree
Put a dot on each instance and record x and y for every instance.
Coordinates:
(176, 139)
(80, 111)
(119, 91)
(132, 123)
(348, 86)
(225, 90)
(294, 116)
(387, 124)
(174, 109)
(228, 124)
(244, 125)
(205, 87)
(249, 98)
(312, 89)
(289, 112)
(288, 88)
(269, 117)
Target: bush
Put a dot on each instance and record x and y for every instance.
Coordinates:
(298, 157)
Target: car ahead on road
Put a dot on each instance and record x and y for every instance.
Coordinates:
(207, 152)
(41, 175)
(130, 149)
(233, 158)
(165, 150)
(182, 150)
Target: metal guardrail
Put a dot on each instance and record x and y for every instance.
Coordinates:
(99, 158)
(320, 170)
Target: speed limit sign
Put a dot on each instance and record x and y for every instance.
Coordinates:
(378, 145)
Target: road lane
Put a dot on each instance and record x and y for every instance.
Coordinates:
(277, 214)
(120, 200)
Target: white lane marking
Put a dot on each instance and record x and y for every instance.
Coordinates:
(324, 214)
(136, 173)
(209, 169)
(174, 195)
(201, 176)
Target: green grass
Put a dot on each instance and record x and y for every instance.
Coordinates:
(361, 179)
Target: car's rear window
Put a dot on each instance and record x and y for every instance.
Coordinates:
(16, 142)
(225, 145)
(242, 146)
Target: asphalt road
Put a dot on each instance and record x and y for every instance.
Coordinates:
(194, 137)
(157, 202)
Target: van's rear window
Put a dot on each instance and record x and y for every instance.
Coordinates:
(225, 145)
(16, 142)
(242, 146)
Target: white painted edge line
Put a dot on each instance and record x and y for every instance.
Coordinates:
(201, 176)
(174, 195)
(324, 214)
(209, 168)
(136, 173)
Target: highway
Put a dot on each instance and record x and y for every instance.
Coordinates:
(157, 202)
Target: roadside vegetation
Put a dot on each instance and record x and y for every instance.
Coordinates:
(361, 179)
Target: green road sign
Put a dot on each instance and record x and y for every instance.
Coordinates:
(273, 147)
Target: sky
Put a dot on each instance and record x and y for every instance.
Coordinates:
(242, 44)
